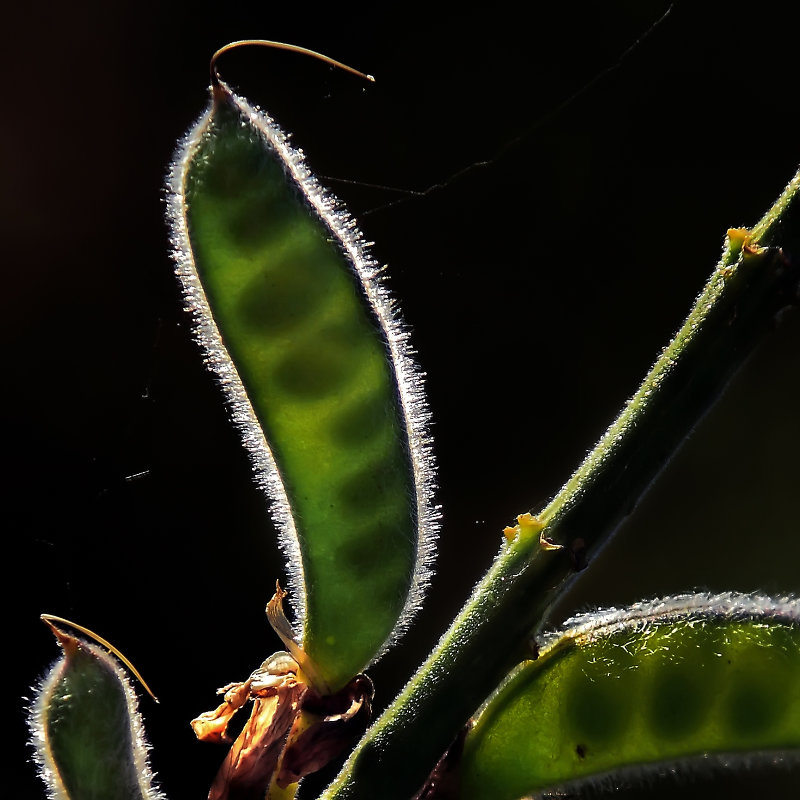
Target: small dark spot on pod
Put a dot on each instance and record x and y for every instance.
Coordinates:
(580, 750)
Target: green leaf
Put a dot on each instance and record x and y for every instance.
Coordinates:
(86, 730)
(675, 679)
(302, 336)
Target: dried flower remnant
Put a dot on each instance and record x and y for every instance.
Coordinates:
(295, 728)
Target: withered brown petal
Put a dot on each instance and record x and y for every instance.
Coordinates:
(343, 718)
(248, 767)
(212, 726)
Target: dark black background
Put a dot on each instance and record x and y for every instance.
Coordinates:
(539, 287)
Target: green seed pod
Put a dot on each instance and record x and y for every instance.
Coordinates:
(624, 692)
(300, 331)
(86, 730)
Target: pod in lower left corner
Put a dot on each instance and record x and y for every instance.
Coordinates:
(86, 730)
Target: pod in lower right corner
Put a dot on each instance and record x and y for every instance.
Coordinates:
(624, 692)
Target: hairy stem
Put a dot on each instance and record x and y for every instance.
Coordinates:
(754, 281)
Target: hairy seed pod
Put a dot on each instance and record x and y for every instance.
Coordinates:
(86, 729)
(694, 678)
(301, 333)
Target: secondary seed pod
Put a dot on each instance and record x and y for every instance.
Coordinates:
(86, 729)
(690, 677)
(299, 329)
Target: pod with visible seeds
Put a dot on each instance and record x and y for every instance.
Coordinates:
(302, 335)
(688, 678)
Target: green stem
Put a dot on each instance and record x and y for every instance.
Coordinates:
(753, 282)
